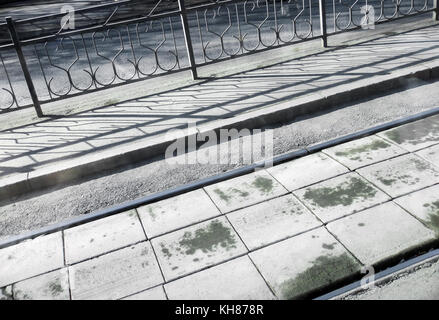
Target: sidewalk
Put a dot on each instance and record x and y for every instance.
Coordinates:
(105, 135)
(284, 232)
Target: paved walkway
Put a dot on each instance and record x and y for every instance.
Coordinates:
(24, 150)
(278, 233)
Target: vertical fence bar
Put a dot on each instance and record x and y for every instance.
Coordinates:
(23, 64)
(323, 31)
(187, 38)
(436, 10)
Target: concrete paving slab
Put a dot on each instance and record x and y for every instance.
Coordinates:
(401, 175)
(305, 171)
(340, 196)
(6, 293)
(177, 212)
(196, 247)
(416, 135)
(156, 293)
(424, 205)
(237, 279)
(50, 286)
(271, 221)
(431, 154)
(304, 263)
(363, 152)
(31, 258)
(115, 275)
(380, 233)
(244, 191)
(95, 238)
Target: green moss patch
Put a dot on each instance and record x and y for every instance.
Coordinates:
(222, 195)
(415, 133)
(166, 251)
(344, 194)
(353, 153)
(264, 185)
(55, 288)
(324, 270)
(5, 295)
(208, 239)
(433, 215)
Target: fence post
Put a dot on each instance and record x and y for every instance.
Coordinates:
(436, 10)
(323, 31)
(187, 38)
(22, 60)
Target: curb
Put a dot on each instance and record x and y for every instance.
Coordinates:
(148, 148)
(381, 275)
(125, 206)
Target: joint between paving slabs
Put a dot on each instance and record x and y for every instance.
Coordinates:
(144, 290)
(65, 263)
(152, 247)
(245, 245)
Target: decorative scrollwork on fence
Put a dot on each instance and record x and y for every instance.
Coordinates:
(117, 46)
(107, 57)
(230, 28)
(349, 14)
(8, 98)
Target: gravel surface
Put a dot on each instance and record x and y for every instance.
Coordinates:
(54, 205)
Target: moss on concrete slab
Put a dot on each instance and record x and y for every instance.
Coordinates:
(344, 194)
(264, 185)
(415, 133)
(324, 270)
(355, 153)
(433, 215)
(208, 239)
(222, 195)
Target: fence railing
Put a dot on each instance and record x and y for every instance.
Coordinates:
(37, 68)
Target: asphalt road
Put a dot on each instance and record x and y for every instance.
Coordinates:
(40, 209)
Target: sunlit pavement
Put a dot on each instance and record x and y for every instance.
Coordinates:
(279, 233)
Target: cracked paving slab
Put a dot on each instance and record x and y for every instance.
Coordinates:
(304, 263)
(340, 196)
(194, 248)
(401, 175)
(380, 233)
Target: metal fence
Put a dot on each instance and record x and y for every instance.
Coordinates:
(39, 65)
